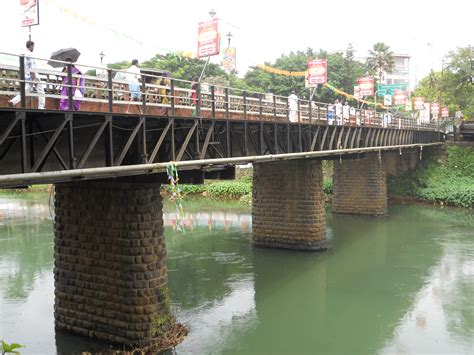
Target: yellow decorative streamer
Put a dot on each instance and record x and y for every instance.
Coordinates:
(281, 72)
(351, 97)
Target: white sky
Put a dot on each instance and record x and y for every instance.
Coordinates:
(262, 30)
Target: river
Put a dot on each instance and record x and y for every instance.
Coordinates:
(401, 284)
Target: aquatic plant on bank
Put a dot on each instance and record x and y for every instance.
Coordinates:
(448, 182)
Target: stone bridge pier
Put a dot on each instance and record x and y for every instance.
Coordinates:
(288, 205)
(110, 260)
(359, 186)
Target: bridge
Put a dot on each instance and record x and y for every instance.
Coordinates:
(107, 167)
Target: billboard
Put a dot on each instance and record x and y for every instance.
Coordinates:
(317, 72)
(444, 112)
(366, 86)
(29, 12)
(419, 103)
(229, 59)
(434, 108)
(399, 97)
(208, 38)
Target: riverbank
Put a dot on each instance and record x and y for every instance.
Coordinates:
(447, 181)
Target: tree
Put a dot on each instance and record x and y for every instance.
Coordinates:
(453, 85)
(343, 71)
(380, 60)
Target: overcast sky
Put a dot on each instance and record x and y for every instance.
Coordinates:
(262, 30)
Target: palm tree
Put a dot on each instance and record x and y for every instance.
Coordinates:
(381, 59)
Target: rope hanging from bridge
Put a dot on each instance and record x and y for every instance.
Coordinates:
(172, 172)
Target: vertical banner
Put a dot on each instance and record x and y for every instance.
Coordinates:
(444, 112)
(357, 92)
(366, 86)
(399, 97)
(229, 59)
(208, 38)
(419, 103)
(29, 12)
(317, 72)
(434, 108)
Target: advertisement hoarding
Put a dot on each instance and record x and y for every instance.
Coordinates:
(366, 86)
(208, 38)
(419, 103)
(399, 97)
(444, 112)
(229, 59)
(317, 72)
(434, 108)
(29, 12)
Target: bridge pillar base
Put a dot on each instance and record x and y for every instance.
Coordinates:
(359, 187)
(288, 205)
(110, 261)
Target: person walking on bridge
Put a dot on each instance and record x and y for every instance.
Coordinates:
(134, 78)
(32, 79)
(293, 107)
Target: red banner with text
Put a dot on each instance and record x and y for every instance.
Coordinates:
(208, 38)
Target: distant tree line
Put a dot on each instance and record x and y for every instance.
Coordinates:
(453, 86)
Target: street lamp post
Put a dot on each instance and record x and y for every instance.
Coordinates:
(229, 37)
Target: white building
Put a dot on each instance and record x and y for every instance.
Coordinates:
(401, 71)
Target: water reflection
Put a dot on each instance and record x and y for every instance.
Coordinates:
(396, 285)
(214, 220)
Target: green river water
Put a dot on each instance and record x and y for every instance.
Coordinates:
(399, 285)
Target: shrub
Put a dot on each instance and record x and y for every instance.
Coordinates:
(246, 200)
(229, 189)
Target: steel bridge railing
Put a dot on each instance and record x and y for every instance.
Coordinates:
(107, 91)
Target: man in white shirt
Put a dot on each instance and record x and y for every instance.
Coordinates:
(32, 79)
(338, 107)
(134, 77)
(345, 112)
(293, 107)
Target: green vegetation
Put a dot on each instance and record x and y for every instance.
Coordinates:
(453, 86)
(10, 348)
(450, 182)
(380, 60)
(222, 190)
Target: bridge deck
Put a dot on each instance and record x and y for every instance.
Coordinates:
(172, 127)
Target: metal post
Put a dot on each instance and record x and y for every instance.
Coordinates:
(143, 94)
(173, 109)
(69, 89)
(213, 102)
(111, 90)
(203, 69)
(245, 105)
(227, 103)
(198, 99)
(22, 81)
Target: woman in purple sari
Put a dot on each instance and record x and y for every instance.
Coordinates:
(77, 88)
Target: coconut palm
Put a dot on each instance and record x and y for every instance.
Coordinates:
(381, 59)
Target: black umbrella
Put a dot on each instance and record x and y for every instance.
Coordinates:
(62, 55)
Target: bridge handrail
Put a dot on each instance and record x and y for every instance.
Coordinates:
(167, 92)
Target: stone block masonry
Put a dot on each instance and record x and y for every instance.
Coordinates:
(110, 260)
(359, 187)
(288, 205)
